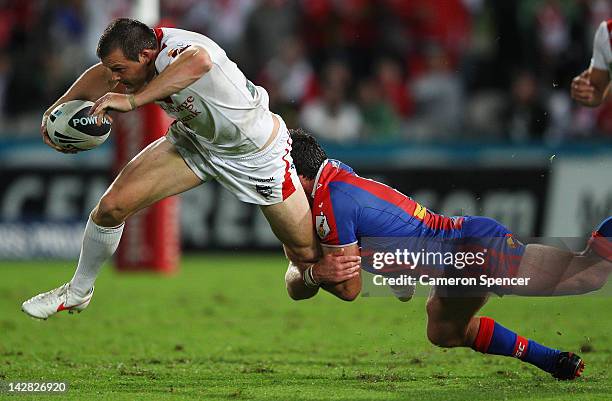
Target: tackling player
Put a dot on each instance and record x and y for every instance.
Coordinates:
(590, 88)
(346, 208)
(223, 130)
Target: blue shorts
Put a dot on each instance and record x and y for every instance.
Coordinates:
(473, 247)
(502, 252)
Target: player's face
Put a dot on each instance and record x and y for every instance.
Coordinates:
(132, 74)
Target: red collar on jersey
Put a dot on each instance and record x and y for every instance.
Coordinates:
(159, 34)
(328, 170)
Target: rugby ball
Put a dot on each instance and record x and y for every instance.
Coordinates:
(70, 125)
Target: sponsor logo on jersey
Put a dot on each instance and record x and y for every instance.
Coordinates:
(419, 211)
(322, 226)
(510, 241)
(178, 50)
(187, 108)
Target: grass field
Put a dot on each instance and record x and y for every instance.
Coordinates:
(224, 329)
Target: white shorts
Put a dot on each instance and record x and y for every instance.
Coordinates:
(263, 178)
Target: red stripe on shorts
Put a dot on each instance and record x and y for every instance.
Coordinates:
(288, 187)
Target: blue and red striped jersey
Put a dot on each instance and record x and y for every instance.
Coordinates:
(347, 207)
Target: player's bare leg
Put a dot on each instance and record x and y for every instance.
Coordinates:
(155, 173)
(291, 222)
(554, 271)
(451, 323)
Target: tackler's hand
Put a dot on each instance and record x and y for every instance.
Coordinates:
(336, 268)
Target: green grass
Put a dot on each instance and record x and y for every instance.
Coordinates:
(224, 328)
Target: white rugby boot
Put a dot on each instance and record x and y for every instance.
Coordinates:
(49, 303)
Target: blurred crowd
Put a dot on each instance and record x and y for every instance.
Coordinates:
(347, 70)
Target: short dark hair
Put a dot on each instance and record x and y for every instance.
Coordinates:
(306, 152)
(129, 35)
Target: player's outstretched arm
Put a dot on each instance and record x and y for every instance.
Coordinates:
(337, 272)
(590, 88)
(188, 67)
(92, 84)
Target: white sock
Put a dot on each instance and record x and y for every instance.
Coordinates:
(99, 243)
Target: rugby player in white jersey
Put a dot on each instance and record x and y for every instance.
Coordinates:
(224, 130)
(590, 88)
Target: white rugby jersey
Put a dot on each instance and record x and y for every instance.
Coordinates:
(602, 52)
(228, 114)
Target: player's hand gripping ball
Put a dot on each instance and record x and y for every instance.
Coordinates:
(70, 126)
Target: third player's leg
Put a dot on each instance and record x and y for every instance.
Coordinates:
(157, 172)
(451, 321)
(554, 271)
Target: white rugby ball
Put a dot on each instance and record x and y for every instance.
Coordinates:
(70, 125)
